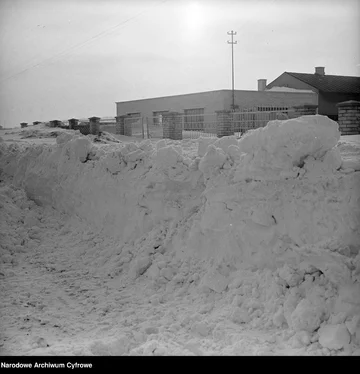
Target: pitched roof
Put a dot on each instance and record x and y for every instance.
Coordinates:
(330, 83)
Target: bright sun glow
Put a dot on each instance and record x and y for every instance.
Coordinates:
(193, 22)
(194, 17)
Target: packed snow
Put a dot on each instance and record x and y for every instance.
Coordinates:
(115, 246)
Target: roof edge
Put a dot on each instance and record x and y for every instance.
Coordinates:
(326, 75)
(163, 97)
(202, 92)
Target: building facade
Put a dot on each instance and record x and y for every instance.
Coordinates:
(203, 103)
(330, 89)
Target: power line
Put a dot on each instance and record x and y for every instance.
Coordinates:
(232, 33)
(80, 45)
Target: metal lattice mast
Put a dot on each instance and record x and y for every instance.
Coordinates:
(232, 33)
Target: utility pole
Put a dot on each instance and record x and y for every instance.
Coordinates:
(232, 33)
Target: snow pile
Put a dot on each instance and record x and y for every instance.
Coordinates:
(223, 238)
(280, 149)
(350, 152)
(38, 133)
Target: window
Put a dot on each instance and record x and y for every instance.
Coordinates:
(273, 109)
(158, 117)
(194, 119)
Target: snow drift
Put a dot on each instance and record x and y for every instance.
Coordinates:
(273, 219)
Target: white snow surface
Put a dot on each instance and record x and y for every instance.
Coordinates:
(113, 246)
(287, 89)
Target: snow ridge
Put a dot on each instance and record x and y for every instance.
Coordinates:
(264, 229)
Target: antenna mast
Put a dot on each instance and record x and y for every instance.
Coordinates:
(232, 33)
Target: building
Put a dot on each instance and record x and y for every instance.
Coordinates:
(197, 105)
(330, 89)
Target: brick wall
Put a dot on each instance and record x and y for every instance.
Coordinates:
(224, 123)
(172, 126)
(73, 122)
(119, 129)
(304, 110)
(55, 123)
(349, 117)
(94, 125)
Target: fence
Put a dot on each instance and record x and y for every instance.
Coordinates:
(134, 126)
(215, 124)
(93, 125)
(190, 126)
(207, 125)
(249, 119)
(176, 125)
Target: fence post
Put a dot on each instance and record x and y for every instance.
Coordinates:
(147, 127)
(23, 124)
(224, 124)
(172, 126)
(142, 127)
(349, 117)
(94, 125)
(120, 123)
(55, 123)
(73, 122)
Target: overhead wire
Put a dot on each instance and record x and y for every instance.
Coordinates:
(81, 44)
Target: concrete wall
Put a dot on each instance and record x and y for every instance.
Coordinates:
(328, 101)
(249, 99)
(211, 101)
(214, 101)
(286, 80)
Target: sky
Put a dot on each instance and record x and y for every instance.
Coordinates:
(76, 58)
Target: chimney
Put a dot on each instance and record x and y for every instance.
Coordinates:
(261, 84)
(320, 70)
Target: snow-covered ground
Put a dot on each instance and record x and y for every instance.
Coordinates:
(115, 246)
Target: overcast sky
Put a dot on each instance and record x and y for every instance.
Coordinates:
(75, 58)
